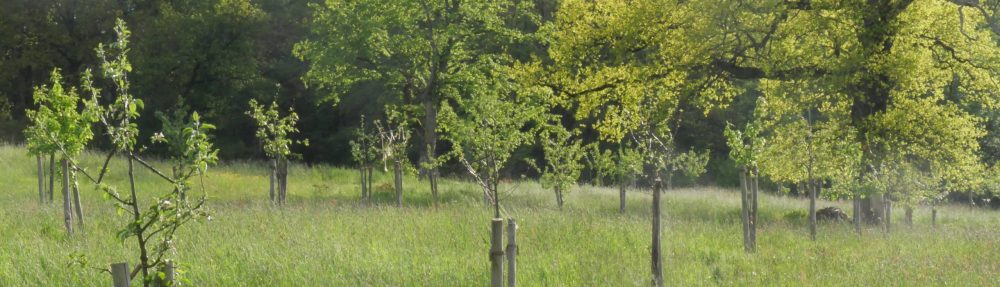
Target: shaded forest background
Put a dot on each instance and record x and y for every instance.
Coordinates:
(213, 56)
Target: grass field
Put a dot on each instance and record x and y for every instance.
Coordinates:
(325, 237)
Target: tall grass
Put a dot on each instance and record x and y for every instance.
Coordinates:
(325, 237)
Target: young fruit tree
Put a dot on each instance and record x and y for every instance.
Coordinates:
(62, 124)
(622, 166)
(365, 151)
(417, 53)
(274, 132)
(936, 138)
(393, 138)
(744, 146)
(154, 225)
(809, 139)
(563, 155)
(485, 128)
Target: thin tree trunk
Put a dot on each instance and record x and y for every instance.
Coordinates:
(76, 202)
(559, 199)
(52, 177)
(909, 216)
(857, 211)
(888, 215)
(621, 197)
(813, 187)
(745, 208)
(143, 256)
(283, 181)
(753, 210)
(398, 176)
(432, 178)
(657, 264)
(274, 178)
(370, 178)
(364, 186)
(41, 178)
(67, 206)
(933, 216)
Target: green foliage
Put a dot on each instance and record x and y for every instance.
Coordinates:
(364, 146)
(393, 138)
(154, 225)
(274, 130)
(245, 235)
(563, 155)
(621, 165)
(487, 126)
(59, 124)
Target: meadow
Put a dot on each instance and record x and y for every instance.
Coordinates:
(325, 236)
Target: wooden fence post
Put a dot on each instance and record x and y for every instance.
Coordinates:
(120, 274)
(168, 275)
(496, 253)
(41, 178)
(511, 253)
(657, 263)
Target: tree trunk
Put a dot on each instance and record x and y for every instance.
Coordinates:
(76, 202)
(52, 176)
(621, 197)
(857, 211)
(933, 216)
(972, 199)
(364, 184)
(430, 136)
(41, 178)
(909, 216)
(559, 198)
(370, 178)
(432, 178)
(67, 206)
(283, 181)
(753, 210)
(274, 178)
(745, 208)
(888, 216)
(398, 176)
(657, 259)
(813, 189)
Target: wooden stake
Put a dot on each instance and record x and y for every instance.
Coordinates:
(496, 253)
(120, 274)
(657, 259)
(511, 253)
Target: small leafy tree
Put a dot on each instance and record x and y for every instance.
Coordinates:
(393, 138)
(274, 131)
(563, 155)
(485, 128)
(365, 151)
(153, 225)
(60, 125)
(744, 146)
(622, 166)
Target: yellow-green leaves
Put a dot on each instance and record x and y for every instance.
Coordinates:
(62, 122)
(274, 130)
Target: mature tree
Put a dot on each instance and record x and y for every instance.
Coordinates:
(415, 51)
(274, 132)
(61, 126)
